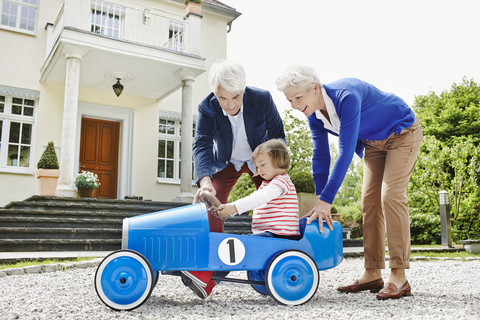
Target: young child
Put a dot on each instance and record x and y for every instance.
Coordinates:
(275, 202)
(275, 205)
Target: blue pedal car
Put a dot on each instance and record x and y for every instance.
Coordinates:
(179, 239)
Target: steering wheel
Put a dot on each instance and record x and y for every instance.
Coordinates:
(209, 199)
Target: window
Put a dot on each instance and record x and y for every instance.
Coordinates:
(19, 15)
(176, 35)
(169, 150)
(107, 18)
(16, 129)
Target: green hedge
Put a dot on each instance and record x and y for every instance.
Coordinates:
(303, 181)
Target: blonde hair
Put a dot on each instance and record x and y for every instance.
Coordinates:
(277, 151)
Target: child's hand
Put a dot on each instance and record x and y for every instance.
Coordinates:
(224, 211)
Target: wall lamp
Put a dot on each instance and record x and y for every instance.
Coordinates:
(118, 76)
(118, 87)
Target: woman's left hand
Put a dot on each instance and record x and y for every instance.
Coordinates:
(322, 212)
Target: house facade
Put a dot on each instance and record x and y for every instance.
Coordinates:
(59, 60)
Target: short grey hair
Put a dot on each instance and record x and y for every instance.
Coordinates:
(302, 77)
(228, 74)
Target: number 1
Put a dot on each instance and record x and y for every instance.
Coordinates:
(231, 244)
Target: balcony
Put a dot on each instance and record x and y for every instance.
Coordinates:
(150, 48)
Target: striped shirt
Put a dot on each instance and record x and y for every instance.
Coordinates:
(279, 215)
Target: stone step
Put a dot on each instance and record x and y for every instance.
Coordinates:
(12, 245)
(63, 213)
(72, 204)
(60, 233)
(23, 221)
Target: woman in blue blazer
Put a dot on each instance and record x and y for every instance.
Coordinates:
(381, 127)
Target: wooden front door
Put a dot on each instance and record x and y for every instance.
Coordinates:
(99, 153)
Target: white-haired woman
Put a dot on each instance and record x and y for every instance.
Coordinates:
(381, 125)
(232, 121)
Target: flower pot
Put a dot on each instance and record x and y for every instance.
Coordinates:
(306, 202)
(86, 192)
(47, 181)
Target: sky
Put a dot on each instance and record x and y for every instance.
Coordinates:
(408, 47)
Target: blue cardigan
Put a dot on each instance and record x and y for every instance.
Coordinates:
(212, 149)
(365, 113)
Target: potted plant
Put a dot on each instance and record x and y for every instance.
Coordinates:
(87, 183)
(305, 187)
(48, 171)
(193, 6)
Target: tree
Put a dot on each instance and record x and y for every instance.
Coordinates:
(451, 115)
(449, 158)
(299, 140)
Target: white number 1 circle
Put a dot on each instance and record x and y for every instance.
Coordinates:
(231, 251)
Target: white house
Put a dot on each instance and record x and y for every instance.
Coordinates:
(58, 62)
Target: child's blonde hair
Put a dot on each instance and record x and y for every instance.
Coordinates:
(277, 150)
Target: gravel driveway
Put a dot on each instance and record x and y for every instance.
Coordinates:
(442, 289)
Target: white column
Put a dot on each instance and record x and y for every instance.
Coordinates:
(186, 194)
(65, 187)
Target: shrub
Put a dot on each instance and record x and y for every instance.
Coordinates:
(303, 181)
(351, 217)
(467, 225)
(48, 160)
(425, 228)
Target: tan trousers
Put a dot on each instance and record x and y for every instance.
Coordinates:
(387, 167)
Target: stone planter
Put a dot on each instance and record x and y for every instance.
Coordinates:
(47, 181)
(87, 192)
(306, 202)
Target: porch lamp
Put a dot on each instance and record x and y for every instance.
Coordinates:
(445, 218)
(118, 87)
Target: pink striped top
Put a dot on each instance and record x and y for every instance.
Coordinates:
(280, 215)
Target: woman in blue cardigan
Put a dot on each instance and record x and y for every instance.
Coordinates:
(380, 127)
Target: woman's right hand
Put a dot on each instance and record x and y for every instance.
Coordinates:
(321, 211)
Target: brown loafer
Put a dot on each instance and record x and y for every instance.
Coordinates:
(392, 292)
(373, 286)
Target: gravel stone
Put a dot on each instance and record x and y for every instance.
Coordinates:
(441, 289)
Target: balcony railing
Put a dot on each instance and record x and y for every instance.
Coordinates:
(132, 22)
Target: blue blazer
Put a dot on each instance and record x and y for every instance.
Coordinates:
(212, 148)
